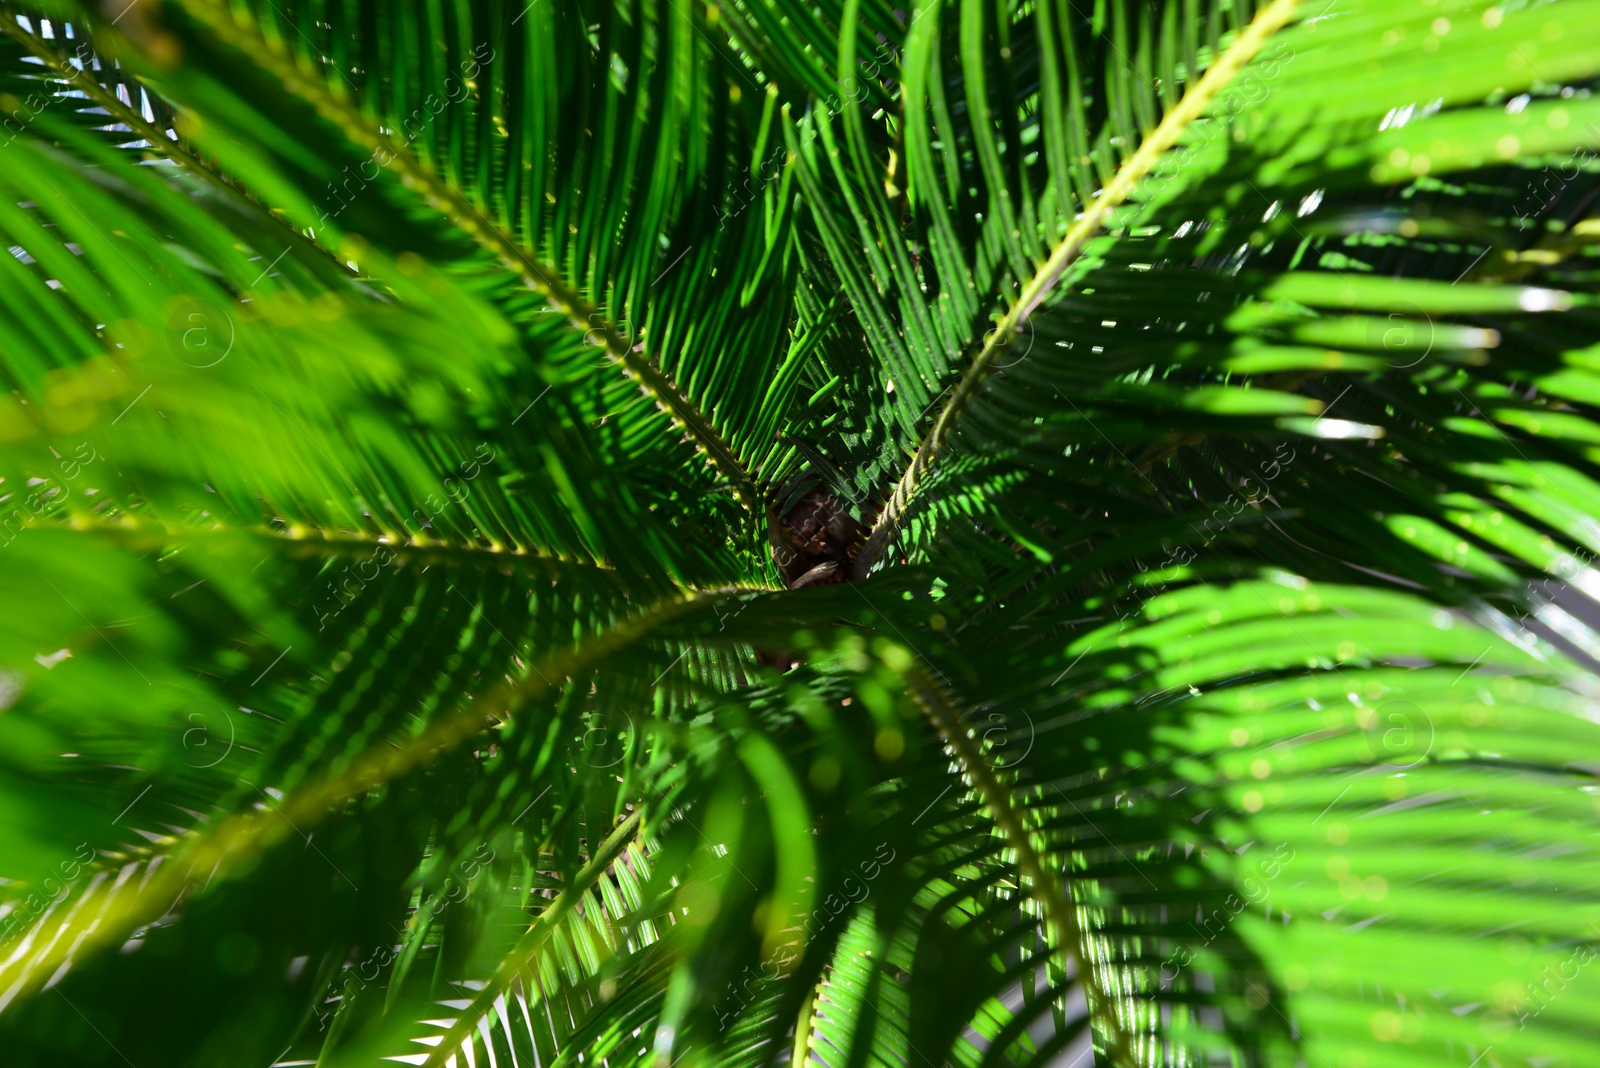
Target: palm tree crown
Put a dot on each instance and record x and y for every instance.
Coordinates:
(755, 533)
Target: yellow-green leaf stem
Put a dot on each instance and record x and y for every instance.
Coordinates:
(1059, 910)
(455, 205)
(1217, 76)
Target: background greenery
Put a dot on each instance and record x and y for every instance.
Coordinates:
(403, 400)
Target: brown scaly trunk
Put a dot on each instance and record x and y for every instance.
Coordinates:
(821, 541)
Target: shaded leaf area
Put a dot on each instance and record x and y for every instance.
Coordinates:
(1228, 780)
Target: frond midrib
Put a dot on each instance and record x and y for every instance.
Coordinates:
(151, 535)
(1194, 102)
(238, 838)
(544, 279)
(1041, 882)
(175, 151)
(528, 947)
